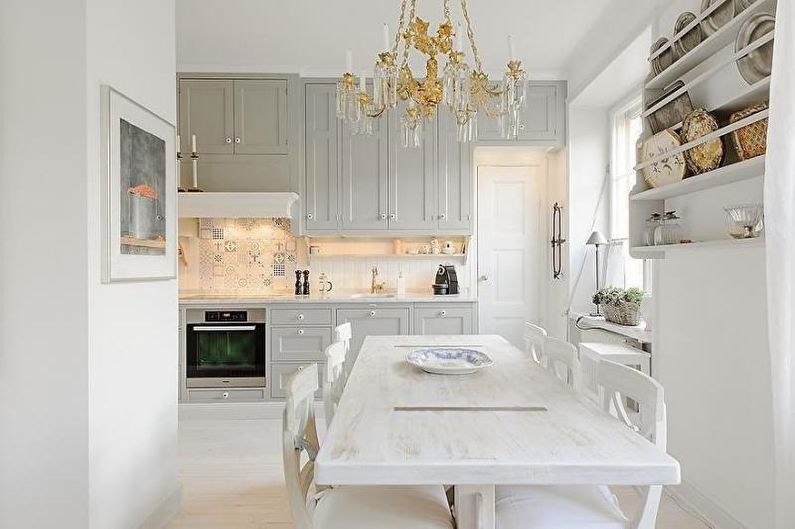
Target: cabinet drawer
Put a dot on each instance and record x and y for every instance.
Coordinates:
(281, 372)
(299, 343)
(221, 395)
(444, 320)
(300, 317)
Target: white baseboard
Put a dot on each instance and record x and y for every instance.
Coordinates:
(236, 410)
(164, 512)
(703, 507)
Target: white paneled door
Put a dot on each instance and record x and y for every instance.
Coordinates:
(510, 248)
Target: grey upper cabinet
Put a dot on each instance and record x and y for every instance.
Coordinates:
(243, 131)
(454, 179)
(543, 118)
(412, 181)
(321, 160)
(364, 179)
(445, 319)
(374, 321)
(260, 116)
(206, 110)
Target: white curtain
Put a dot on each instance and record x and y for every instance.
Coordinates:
(780, 247)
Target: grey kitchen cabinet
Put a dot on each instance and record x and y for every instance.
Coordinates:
(206, 110)
(364, 179)
(243, 132)
(321, 158)
(226, 395)
(260, 116)
(543, 118)
(445, 319)
(281, 372)
(373, 320)
(299, 343)
(412, 181)
(454, 179)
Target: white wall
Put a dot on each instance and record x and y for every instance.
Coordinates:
(43, 332)
(132, 327)
(87, 371)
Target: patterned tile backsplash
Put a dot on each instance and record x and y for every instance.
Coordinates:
(244, 255)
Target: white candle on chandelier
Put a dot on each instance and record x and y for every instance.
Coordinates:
(348, 61)
(386, 37)
(459, 38)
(193, 143)
(363, 82)
(179, 144)
(511, 51)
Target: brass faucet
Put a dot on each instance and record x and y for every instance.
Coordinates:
(375, 286)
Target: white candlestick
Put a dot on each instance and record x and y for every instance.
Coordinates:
(459, 38)
(386, 37)
(349, 61)
(193, 143)
(511, 51)
(195, 173)
(179, 144)
(363, 82)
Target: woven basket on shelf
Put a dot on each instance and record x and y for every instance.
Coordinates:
(623, 314)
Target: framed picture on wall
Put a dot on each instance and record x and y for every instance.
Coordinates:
(139, 191)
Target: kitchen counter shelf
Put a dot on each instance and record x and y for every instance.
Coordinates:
(698, 245)
(745, 170)
(388, 256)
(708, 47)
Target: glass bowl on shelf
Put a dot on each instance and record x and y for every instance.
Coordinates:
(744, 221)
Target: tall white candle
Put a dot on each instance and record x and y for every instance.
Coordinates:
(459, 38)
(363, 81)
(349, 61)
(193, 143)
(179, 144)
(386, 37)
(195, 173)
(511, 51)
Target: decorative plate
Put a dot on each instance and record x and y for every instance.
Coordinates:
(759, 63)
(663, 60)
(666, 170)
(708, 155)
(751, 140)
(718, 18)
(449, 361)
(689, 40)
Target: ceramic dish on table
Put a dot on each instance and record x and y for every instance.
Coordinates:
(759, 63)
(449, 360)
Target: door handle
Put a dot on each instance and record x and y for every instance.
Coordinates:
(225, 328)
(228, 139)
(300, 332)
(393, 216)
(383, 216)
(237, 139)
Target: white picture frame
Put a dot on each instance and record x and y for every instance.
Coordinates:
(139, 191)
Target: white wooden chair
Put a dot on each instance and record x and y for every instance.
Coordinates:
(535, 338)
(592, 507)
(560, 358)
(335, 379)
(593, 353)
(345, 507)
(343, 333)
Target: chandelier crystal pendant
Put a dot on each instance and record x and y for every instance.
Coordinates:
(460, 89)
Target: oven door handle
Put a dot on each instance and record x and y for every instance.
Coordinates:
(226, 328)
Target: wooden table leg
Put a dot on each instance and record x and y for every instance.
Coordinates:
(474, 506)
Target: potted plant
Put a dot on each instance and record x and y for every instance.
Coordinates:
(620, 306)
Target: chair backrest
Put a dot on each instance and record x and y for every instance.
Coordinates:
(618, 383)
(560, 358)
(534, 339)
(343, 333)
(335, 379)
(299, 438)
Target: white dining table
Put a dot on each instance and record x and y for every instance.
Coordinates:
(510, 423)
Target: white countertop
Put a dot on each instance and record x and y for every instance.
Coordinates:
(192, 298)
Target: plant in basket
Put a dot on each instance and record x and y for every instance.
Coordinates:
(619, 305)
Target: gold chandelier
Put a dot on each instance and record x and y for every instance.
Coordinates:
(463, 90)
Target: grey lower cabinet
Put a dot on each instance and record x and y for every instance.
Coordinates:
(243, 132)
(301, 343)
(444, 319)
(373, 321)
(281, 372)
(543, 118)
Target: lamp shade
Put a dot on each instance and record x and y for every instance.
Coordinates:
(596, 239)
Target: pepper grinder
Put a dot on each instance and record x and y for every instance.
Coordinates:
(298, 288)
(306, 283)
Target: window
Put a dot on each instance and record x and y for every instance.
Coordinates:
(627, 128)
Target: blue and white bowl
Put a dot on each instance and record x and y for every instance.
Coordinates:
(449, 361)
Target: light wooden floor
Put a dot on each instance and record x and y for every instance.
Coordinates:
(231, 474)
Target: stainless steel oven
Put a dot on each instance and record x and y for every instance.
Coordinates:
(225, 348)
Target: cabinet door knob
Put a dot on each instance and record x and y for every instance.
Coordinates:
(237, 139)
(228, 139)
(300, 316)
(443, 216)
(372, 314)
(393, 216)
(225, 394)
(300, 331)
(383, 216)
(310, 216)
(442, 313)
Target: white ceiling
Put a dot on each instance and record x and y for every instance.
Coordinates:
(311, 36)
